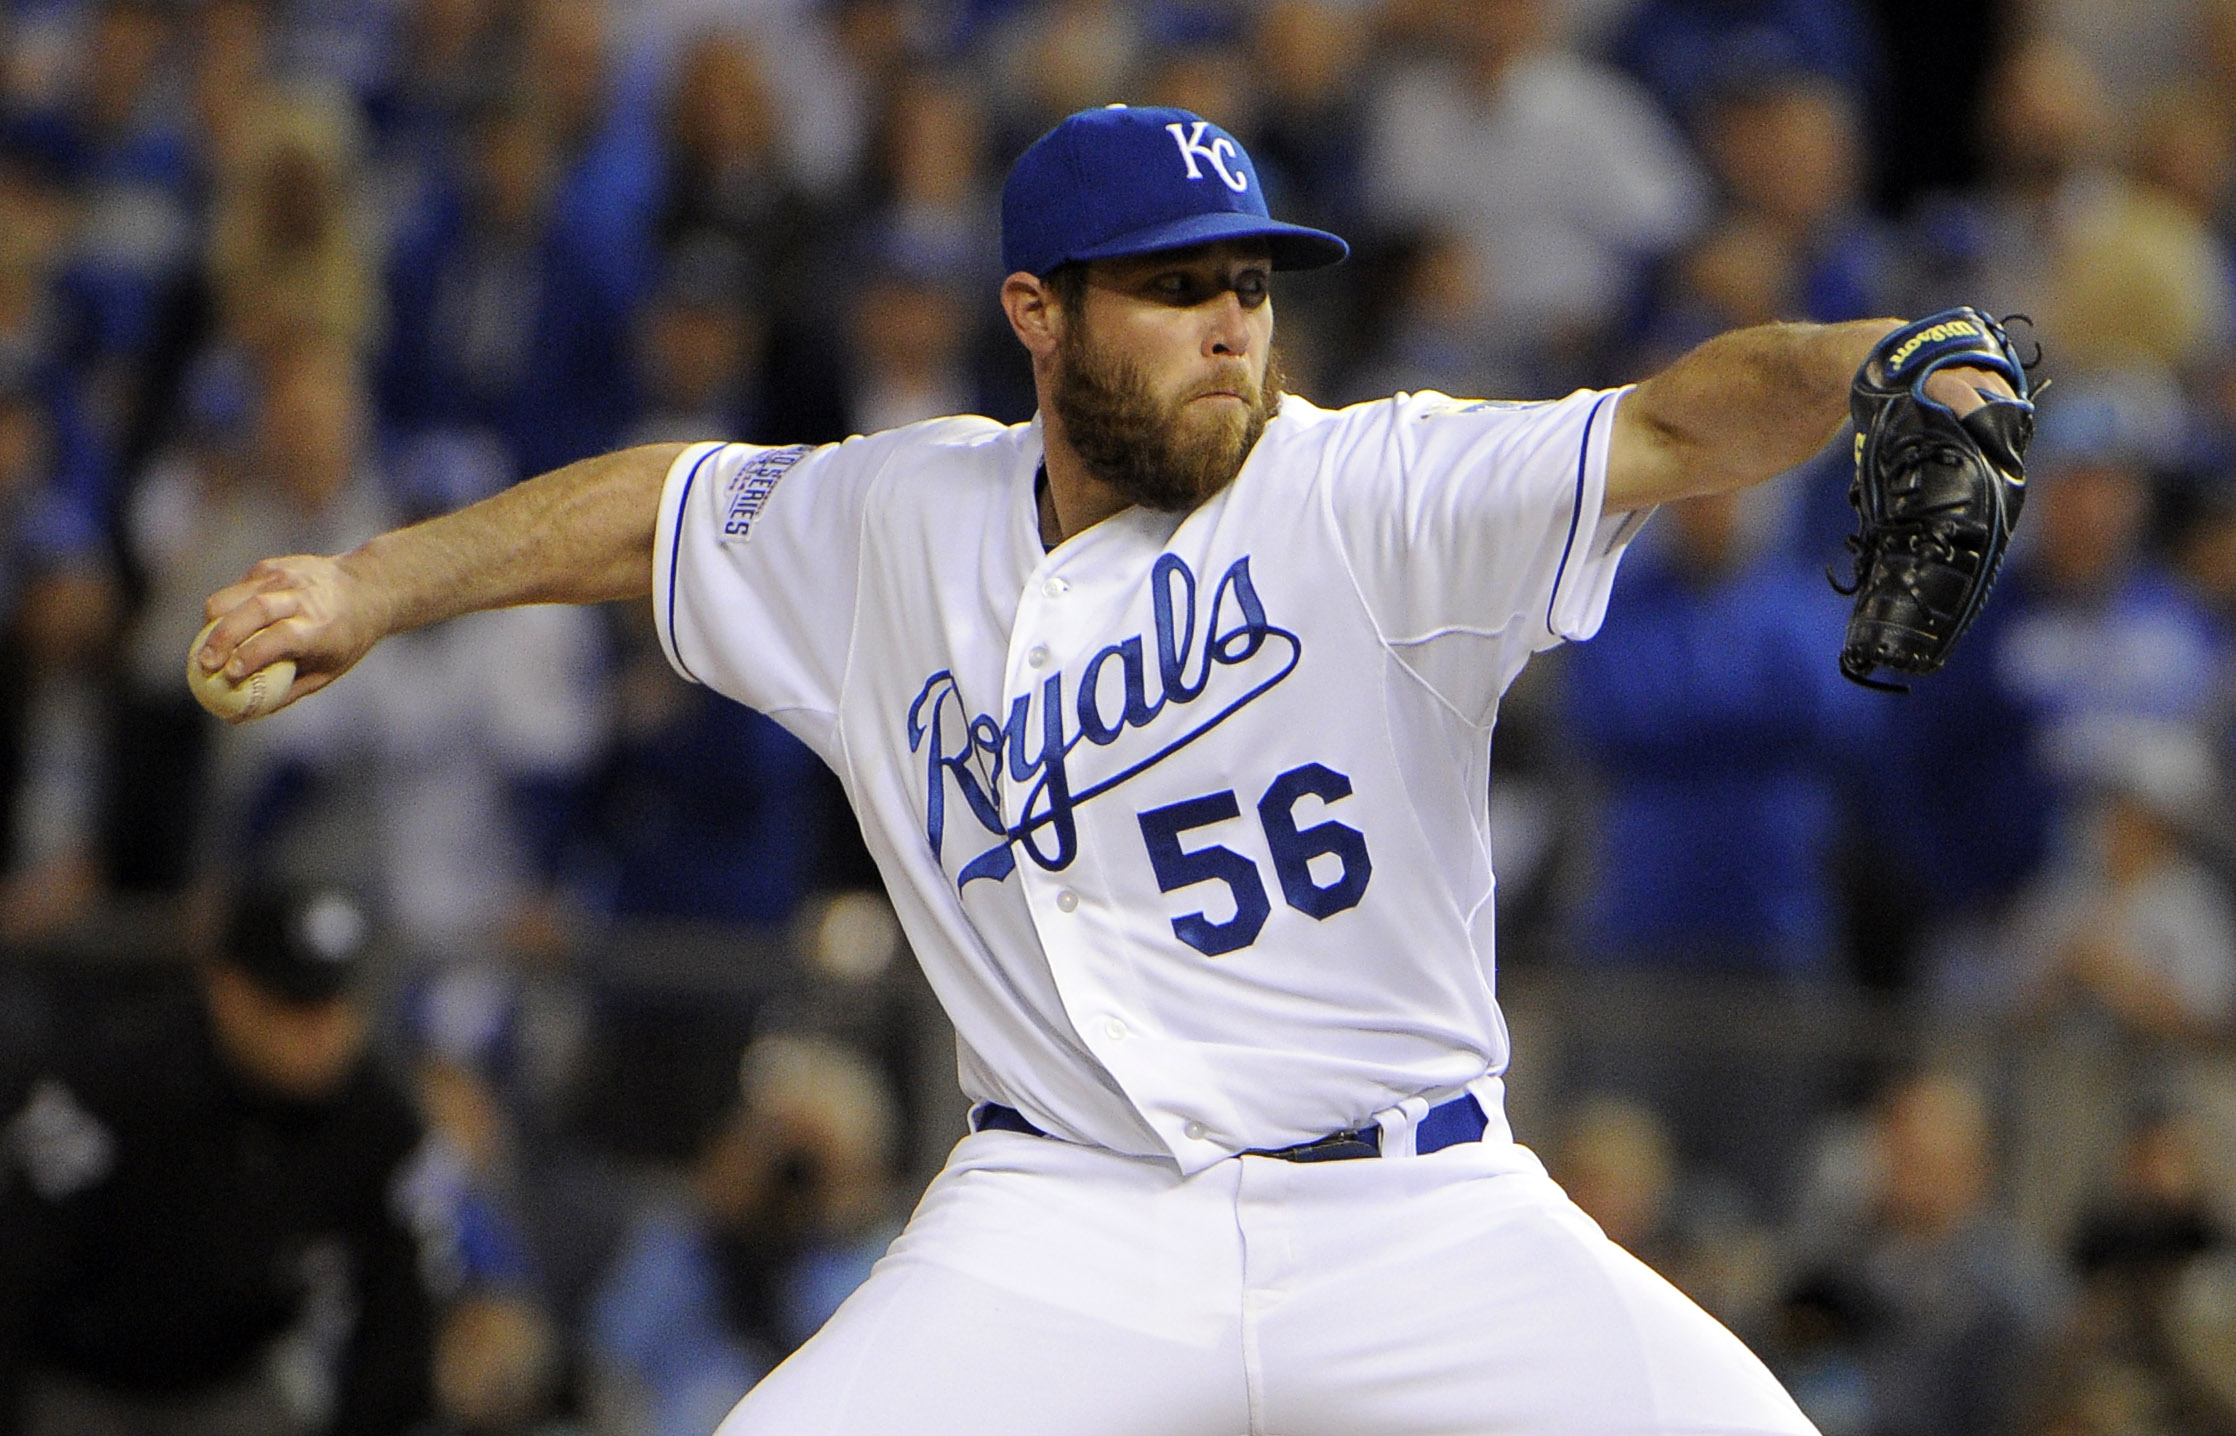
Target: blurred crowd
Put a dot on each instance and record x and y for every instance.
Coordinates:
(278, 274)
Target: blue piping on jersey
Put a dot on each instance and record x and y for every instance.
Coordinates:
(1575, 513)
(675, 558)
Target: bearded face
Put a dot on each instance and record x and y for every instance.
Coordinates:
(1166, 452)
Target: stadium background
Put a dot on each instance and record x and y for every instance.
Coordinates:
(1897, 1030)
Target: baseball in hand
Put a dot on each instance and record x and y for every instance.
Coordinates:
(252, 697)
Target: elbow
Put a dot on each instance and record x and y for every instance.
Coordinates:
(1652, 458)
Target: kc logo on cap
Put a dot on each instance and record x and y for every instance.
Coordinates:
(1218, 152)
(1104, 184)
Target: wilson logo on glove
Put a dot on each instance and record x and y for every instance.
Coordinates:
(1936, 497)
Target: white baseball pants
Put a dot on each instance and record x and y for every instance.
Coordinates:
(1048, 1289)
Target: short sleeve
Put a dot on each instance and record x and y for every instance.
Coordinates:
(1474, 532)
(756, 567)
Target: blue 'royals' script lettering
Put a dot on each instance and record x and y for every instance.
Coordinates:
(977, 754)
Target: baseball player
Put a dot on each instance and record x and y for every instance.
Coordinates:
(1167, 716)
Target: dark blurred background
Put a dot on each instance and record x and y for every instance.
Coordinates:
(1896, 1030)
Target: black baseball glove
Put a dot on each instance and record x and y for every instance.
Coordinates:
(1936, 497)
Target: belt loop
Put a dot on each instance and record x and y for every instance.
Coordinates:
(1399, 1124)
(1490, 1091)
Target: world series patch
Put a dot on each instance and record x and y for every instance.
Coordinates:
(751, 486)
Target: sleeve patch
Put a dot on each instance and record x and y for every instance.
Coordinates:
(750, 487)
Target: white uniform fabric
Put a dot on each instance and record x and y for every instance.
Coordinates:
(1016, 727)
(1186, 820)
(1044, 1287)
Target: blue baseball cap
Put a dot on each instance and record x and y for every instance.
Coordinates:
(1113, 182)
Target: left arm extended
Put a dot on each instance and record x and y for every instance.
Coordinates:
(1741, 408)
(1748, 405)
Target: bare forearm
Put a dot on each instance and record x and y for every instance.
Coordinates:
(581, 534)
(1739, 409)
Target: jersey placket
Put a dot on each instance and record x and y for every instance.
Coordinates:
(1063, 617)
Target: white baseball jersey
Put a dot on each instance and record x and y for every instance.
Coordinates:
(1186, 818)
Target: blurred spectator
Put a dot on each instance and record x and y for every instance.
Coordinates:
(448, 792)
(275, 461)
(2132, 928)
(507, 320)
(2088, 645)
(58, 610)
(702, 344)
(2185, 149)
(1687, 52)
(36, 335)
(340, 45)
(2098, 641)
(2158, 1212)
(2145, 1241)
(1064, 55)
(787, 1208)
(527, 1212)
(1616, 1161)
(2136, 47)
(230, 75)
(727, 178)
(1308, 148)
(484, 755)
(741, 250)
(1708, 705)
(65, 620)
(599, 100)
(911, 337)
(1565, 177)
(448, 66)
(840, 58)
(497, 1370)
(287, 262)
(201, 1206)
(1796, 241)
(120, 148)
(1941, 1312)
(179, 534)
(2123, 274)
(1426, 333)
(932, 208)
(1202, 67)
(456, 787)
(1790, 152)
(707, 810)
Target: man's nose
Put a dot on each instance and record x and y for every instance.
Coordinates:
(1227, 329)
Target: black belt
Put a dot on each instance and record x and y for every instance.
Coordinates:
(1445, 1125)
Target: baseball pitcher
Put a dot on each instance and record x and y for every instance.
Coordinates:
(1167, 716)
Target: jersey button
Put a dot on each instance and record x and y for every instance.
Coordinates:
(1037, 655)
(1067, 901)
(1055, 588)
(1195, 1131)
(1114, 1030)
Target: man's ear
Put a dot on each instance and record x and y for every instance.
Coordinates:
(1033, 313)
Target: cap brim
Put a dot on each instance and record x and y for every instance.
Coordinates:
(1292, 245)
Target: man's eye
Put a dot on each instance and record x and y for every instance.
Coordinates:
(1251, 290)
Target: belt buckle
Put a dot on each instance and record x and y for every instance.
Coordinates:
(1334, 1147)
